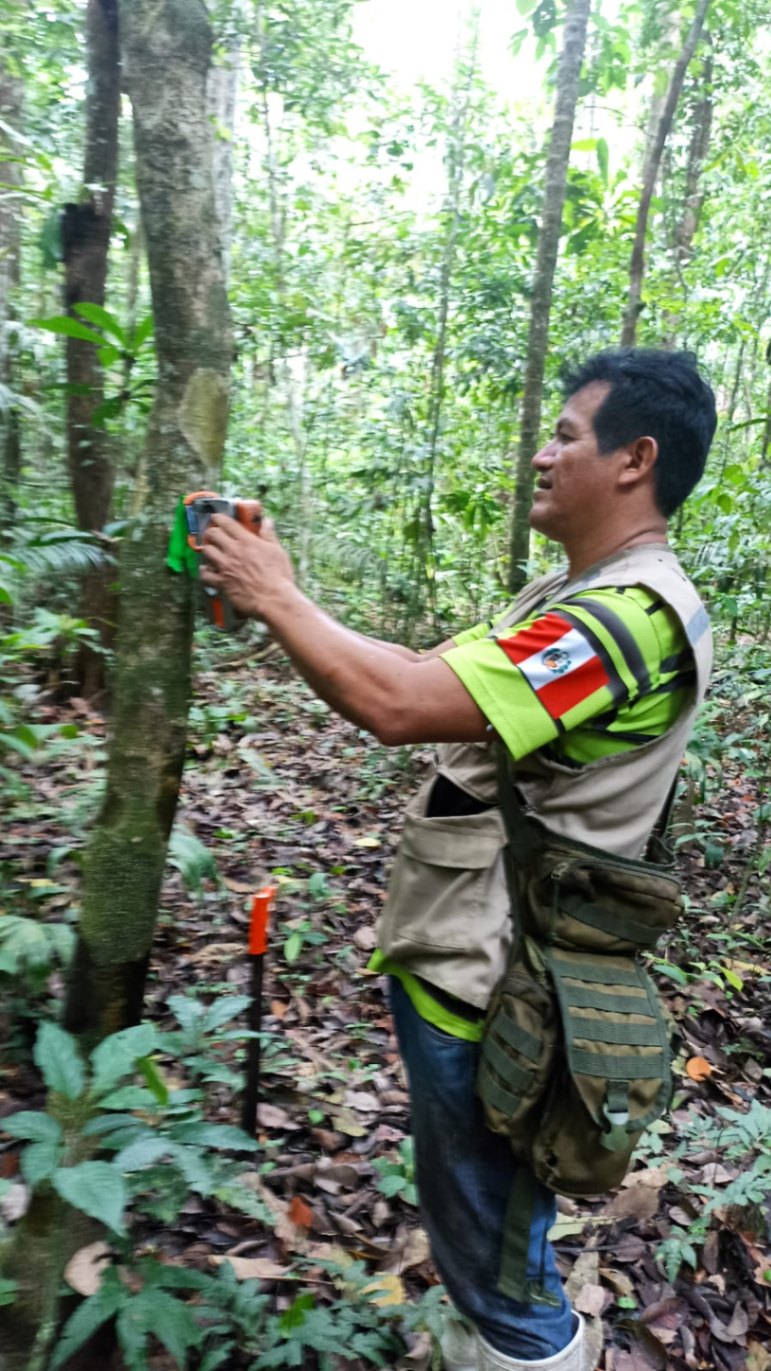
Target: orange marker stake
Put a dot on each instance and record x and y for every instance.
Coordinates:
(258, 946)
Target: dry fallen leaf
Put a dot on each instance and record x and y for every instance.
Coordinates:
(655, 1176)
(585, 1272)
(390, 1288)
(619, 1282)
(300, 1213)
(758, 1358)
(270, 1116)
(639, 1202)
(14, 1202)
(84, 1271)
(591, 1300)
(254, 1268)
(363, 1101)
(698, 1068)
(365, 939)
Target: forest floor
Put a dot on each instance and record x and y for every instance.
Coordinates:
(278, 788)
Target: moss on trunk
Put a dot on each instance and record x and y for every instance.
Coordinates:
(167, 50)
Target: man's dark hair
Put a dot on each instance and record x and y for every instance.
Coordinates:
(657, 394)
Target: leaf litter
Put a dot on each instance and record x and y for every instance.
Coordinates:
(306, 800)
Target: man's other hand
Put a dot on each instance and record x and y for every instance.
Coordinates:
(248, 570)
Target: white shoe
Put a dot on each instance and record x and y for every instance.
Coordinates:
(459, 1347)
(571, 1358)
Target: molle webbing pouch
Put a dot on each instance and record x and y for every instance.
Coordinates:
(518, 1052)
(612, 1077)
(575, 1059)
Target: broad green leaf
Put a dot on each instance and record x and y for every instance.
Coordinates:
(172, 1322)
(95, 314)
(108, 354)
(188, 1013)
(154, 1079)
(118, 1055)
(37, 1127)
(293, 946)
(68, 328)
(40, 1160)
(87, 1318)
(128, 1097)
(218, 1135)
(195, 1168)
(7, 1292)
(602, 159)
(141, 1153)
(228, 1007)
(392, 1185)
(97, 1188)
(57, 1056)
(142, 332)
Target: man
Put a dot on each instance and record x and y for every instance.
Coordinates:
(591, 680)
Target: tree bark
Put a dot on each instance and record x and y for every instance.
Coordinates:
(167, 46)
(701, 132)
(650, 175)
(221, 99)
(457, 137)
(11, 95)
(568, 78)
(86, 229)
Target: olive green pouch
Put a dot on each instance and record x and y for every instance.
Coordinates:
(575, 1059)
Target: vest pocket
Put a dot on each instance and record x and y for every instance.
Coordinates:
(442, 880)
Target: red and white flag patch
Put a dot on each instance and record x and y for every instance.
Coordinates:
(558, 661)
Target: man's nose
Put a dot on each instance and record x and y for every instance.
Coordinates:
(544, 457)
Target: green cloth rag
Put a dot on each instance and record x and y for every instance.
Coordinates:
(179, 554)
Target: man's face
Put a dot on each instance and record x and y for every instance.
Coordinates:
(575, 483)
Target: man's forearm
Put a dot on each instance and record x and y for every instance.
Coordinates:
(357, 676)
(401, 697)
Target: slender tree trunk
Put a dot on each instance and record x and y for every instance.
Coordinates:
(167, 46)
(701, 133)
(650, 174)
(86, 228)
(11, 93)
(765, 442)
(425, 555)
(568, 78)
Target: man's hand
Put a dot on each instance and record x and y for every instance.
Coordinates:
(398, 695)
(248, 570)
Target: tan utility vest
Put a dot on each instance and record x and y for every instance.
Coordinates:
(446, 917)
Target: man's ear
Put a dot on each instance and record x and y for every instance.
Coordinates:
(641, 458)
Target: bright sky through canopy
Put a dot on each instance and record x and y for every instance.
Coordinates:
(416, 39)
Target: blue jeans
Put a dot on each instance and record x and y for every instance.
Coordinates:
(464, 1174)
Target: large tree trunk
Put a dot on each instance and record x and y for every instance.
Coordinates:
(222, 99)
(568, 78)
(11, 92)
(86, 228)
(167, 46)
(650, 175)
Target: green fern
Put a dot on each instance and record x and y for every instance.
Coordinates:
(68, 551)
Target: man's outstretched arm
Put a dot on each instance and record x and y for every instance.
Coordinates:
(400, 696)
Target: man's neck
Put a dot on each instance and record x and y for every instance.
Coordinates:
(581, 558)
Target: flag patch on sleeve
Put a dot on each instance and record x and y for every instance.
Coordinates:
(558, 661)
